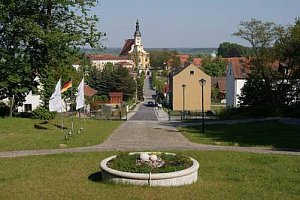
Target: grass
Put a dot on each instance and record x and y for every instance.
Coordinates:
(267, 134)
(26, 134)
(222, 175)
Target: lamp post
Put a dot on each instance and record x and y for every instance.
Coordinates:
(183, 100)
(202, 83)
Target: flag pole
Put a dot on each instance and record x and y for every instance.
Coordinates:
(72, 118)
(61, 113)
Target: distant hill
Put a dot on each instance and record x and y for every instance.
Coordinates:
(190, 51)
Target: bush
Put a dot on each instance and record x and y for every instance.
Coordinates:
(43, 114)
(4, 109)
(127, 163)
(265, 110)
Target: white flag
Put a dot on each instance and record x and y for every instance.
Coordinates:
(80, 95)
(55, 103)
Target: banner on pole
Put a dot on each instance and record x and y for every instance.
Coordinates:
(80, 95)
(55, 103)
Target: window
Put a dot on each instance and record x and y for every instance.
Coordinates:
(192, 72)
(28, 107)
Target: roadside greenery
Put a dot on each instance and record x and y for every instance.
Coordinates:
(222, 175)
(266, 134)
(25, 134)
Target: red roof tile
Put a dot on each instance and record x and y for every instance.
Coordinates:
(240, 67)
(88, 91)
(197, 62)
(127, 47)
(106, 57)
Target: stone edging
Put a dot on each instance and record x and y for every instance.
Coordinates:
(183, 177)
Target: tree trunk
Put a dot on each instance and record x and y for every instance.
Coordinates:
(11, 105)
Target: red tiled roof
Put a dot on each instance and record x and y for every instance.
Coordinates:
(219, 82)
(124, 63)
(183, 58)
(197, 62)
(105, 57)
(240, 67)
(127, 47)
(88, 91)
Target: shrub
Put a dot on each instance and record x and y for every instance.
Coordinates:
(43, 114)
(127, 163)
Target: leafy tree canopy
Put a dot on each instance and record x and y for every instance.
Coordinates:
(161, 59)
(45, 37)
(227, 50)
(274, 78)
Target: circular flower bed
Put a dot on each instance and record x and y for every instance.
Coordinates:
(154, 169)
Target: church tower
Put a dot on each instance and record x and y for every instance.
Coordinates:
(137, 34)
(134, 48)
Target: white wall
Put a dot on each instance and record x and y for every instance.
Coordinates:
(239, 84)
(32, 99)
(99, 64)
(230, 87)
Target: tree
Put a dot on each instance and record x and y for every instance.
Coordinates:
(160, 59)
(215, 67)
(16, 77)
(227, 50)
(112, 79)
(49, 35)
(273, 79)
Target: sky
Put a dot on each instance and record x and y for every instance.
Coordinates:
(187, 23)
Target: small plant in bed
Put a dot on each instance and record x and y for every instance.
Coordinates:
(152, 162)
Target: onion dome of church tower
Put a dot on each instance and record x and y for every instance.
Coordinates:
(137, 29)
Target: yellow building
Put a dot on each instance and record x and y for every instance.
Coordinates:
(135, 50)
(186, 91)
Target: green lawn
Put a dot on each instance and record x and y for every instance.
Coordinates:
(268, 134)
(222, 175)
(21, 133)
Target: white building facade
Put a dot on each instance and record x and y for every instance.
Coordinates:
(236, 75)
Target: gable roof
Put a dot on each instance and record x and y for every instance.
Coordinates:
(88, 91)
(127, 47)
(197, 62)
(240, 67)
(183, 67)
(219, 82)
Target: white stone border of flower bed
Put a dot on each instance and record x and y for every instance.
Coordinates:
(178, 178)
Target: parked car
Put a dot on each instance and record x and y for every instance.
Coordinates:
(150, 104)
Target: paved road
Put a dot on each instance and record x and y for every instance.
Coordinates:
(144, 113)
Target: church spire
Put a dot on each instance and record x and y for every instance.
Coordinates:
(137, 29)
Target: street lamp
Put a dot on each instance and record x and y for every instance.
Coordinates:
(202, 83)
(183, 100)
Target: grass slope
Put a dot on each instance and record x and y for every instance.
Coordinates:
(222, 175)
(21, 134)
(269, 134)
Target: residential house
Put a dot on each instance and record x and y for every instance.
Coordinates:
(219, 83)
(237, 72)
(189, 96)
